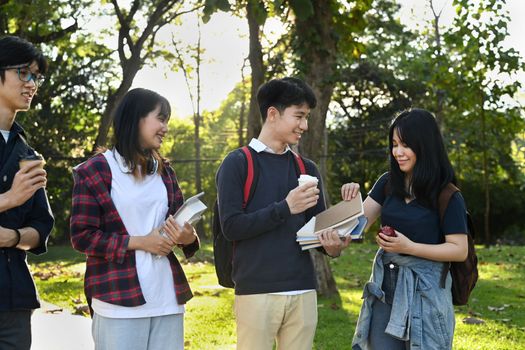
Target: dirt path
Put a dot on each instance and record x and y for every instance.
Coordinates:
(57, 329)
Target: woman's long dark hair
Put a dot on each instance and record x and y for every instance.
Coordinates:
(135, 105)
(418, 129)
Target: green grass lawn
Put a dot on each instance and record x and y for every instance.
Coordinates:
(498, 299)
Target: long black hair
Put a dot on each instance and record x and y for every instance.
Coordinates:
(418, 129)
(135, 105)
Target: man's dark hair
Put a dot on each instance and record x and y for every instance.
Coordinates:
(283, 93)
(15, 51)
(418, 129)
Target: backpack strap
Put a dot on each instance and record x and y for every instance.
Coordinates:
(299, 162)
(252, 173)
(249, 175)
(444, 197)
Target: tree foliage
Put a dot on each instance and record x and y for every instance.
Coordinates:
(62, 122)
(468, 77)
(363, 63)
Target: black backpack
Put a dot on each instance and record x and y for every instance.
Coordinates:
(464, 273)
(223, 249)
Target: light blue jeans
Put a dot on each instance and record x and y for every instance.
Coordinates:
(377, 337)
(147, 333)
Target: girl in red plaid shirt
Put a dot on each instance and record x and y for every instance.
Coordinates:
(123, 202)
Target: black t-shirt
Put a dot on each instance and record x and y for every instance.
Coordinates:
(418, 223)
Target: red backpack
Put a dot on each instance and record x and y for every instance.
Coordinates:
(224, 249)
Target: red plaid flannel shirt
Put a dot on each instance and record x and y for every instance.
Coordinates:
(98, 231)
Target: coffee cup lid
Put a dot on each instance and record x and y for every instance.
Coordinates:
(35, 156)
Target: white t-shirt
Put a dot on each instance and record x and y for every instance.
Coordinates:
(5, 134)
(142, 206)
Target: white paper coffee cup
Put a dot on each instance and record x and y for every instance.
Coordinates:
(303, 179)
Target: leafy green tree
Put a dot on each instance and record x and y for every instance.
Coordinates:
(454, 71)
(219, 136)
(61, 124)
(137, 45)
(484, 71)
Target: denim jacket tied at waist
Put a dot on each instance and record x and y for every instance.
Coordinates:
(422, 312)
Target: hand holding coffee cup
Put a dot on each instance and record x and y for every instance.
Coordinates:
(304, 179)
(32, 160)
(30, 178)
(303, 196)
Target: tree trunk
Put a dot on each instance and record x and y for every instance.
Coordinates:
(197, 121)
(240, 132)
(242, 117)
(256, 63)
(130, 67)
(130, 51)
(440, 93)
(486, 184)
(112, 102)
(314, 35)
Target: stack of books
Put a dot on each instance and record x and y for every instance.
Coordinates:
(191, 211)
(345, 217)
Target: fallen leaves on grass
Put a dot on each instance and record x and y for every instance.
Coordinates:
(498, 309)
(82, 310)
(48, 271)
(54, 311)
(334, 306)
(44, 275)
(473, 320)
(79, 307)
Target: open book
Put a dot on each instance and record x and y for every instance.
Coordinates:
(190, 211)
(346, 217)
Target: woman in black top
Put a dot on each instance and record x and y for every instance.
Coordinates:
(407, 199)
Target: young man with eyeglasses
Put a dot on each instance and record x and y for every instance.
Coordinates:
(25, 216)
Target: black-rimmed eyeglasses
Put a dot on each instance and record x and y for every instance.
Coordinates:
(25, 75)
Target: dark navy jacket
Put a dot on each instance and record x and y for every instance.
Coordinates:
(17, 289)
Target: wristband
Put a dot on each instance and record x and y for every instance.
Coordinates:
(18, 237)
(333, 256)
